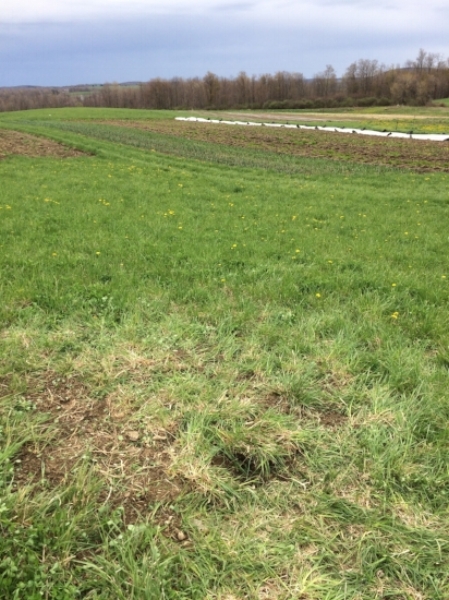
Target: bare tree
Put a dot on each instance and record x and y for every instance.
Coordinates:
(212, 88)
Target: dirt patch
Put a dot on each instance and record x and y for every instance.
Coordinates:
(412, 154)
(327, 416)
(5, 383)
(332, 419)
(13, 143)
(134, 464)
(245, 468)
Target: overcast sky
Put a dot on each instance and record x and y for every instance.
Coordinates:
(63, 42)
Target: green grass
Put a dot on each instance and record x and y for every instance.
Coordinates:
(444, 101)
(221, 378)
(80, 113)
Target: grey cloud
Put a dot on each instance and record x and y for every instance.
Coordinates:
(337, 4)
(235, 6)
(358, 3)
(169, 46)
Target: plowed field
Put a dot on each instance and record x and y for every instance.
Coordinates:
(409, 154)
(24, 144)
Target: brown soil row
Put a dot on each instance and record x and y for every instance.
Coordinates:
(24, 144)
(403, 153)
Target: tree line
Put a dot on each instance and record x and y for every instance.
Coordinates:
(364, 83)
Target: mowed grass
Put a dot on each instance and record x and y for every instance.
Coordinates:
(218, 379)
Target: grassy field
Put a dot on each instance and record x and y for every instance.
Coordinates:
(224, 368)
(444, 101)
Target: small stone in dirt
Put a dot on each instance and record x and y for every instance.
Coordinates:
(133, 436)
(180, 536)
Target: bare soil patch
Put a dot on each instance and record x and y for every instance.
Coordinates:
(133, 464)
(417, 155)
(327, 416)
(24, 144)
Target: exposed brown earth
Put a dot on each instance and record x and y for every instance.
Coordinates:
(133, 465)
(133, 462)
(24, 144)
(417, 155)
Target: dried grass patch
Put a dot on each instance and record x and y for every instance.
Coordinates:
(133, 464)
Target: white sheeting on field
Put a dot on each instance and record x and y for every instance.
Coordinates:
(434, 137)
